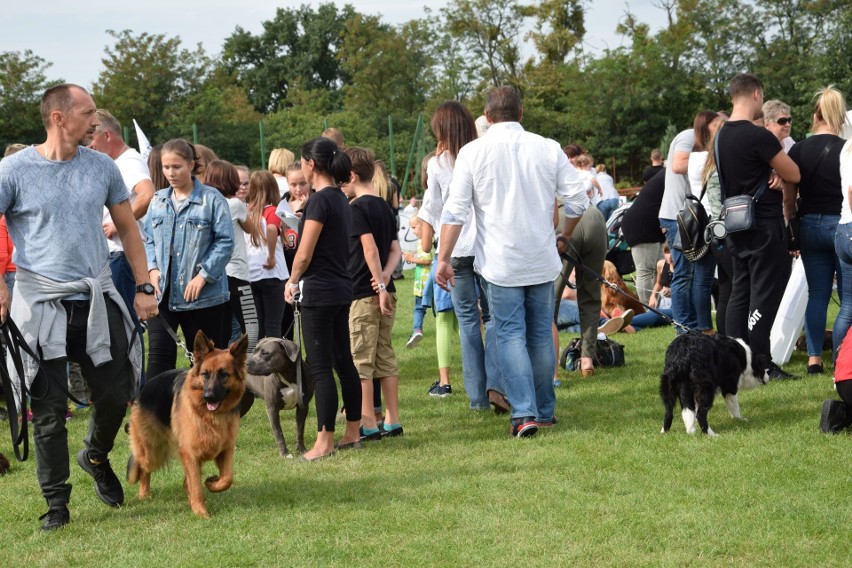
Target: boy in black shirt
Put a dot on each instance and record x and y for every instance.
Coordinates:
(374, 254)
(747, 155)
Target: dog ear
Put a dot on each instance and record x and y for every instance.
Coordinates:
(290, 349)
(202, 347)
(239, 348)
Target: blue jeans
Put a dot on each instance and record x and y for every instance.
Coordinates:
(419, 313)
(522, 321)
(568, 318)
(607, 206)
(125, 283)
(816, 244)
(704, 273)
(650, 319)
(479, 375)
(843, 247)
(683, 307)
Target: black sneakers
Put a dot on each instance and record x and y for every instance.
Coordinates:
(523, 427)
(55, 518)
(437, 389)
(835, 417)
(107, 486)
(776, 373)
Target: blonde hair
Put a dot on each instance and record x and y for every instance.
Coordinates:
(381, 183)
(710, 164)
(584, 161)
(600, 168)
(279, 160)
(830, 107)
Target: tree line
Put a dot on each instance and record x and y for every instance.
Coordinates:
(328, 65)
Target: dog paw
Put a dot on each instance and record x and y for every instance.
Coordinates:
(201, 513)
(287, 456)
(711, 433)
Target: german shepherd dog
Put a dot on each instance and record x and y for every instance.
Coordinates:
(194, 413)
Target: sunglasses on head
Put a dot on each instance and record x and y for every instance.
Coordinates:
(784, 120)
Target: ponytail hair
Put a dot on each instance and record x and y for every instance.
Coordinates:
(183, 149)
(830, 107)
(328, 159)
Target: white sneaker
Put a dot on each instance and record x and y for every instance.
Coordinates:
(414, 339)
(612, 325)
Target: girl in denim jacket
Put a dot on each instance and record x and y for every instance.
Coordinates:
(188, 241)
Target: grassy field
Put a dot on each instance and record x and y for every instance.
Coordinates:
(603, 488)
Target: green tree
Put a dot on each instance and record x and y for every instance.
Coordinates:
(145, 75)
(489, 31)
(299, 47)
(23, 79)
(559, 27)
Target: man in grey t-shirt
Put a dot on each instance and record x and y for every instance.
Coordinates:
(66, 305)
(674, 197)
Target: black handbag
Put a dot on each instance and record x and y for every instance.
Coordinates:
(691, 224)
(738, 211)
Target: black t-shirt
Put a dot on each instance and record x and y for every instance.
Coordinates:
(819, 191)
(744, 154)
(650, 172)
(641, 222)
(370, 215)
(326, 280)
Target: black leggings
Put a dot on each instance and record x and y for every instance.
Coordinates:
(326, 334)
(214, 321)
(269, 298)
(725, 276)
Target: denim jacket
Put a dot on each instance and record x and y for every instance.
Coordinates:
(200, 237)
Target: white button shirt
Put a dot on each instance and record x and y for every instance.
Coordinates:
(510, 180)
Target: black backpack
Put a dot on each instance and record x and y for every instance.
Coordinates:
(691, 224)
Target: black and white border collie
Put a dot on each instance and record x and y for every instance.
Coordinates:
(698, 365)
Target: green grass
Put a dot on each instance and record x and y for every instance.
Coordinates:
(604, 488)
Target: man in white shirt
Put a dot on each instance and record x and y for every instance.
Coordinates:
(509, 180)
(134, 171)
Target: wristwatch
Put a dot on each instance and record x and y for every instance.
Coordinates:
(381, 287)
(146, 288)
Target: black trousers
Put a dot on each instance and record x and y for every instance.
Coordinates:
(269, 298)
(110, 386)
(243, 308)
(761, 270)
(326, 333)
(725, 279)
(214, 321)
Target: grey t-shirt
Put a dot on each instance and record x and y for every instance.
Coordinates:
(677, 185)
(54, 210)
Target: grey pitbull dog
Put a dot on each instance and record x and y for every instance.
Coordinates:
(272, 377)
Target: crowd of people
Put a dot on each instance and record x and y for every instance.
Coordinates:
(184, 240)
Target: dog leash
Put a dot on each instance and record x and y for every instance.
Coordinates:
(14, 343)
(297, 339)
(579, 264)
(187, 353)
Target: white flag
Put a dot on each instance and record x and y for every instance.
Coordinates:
(144, 145)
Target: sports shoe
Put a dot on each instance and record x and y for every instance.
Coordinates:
(414, 339)
(438, 389)
(612, 325)
(55, 518)
(525, 427)
(107, 486)
(776, 373)
(835, 417)
(548, 423)
(627, 317)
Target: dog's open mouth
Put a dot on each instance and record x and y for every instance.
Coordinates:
(213, 406)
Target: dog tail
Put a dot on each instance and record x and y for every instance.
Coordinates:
(151, 444)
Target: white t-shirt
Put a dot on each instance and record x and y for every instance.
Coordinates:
(238, 265)
(257, 256)
(439, 172)
(587, 176)
(846, 181)
(607, 186)
(134, 169)
(695, 171)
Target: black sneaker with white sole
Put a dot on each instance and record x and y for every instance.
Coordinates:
(776, 373)
(525, 427)
(437, 389)
(107, 486)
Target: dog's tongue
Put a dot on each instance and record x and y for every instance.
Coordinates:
(212, 406)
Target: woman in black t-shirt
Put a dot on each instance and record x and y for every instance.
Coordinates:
(820, 200)
(321, 264)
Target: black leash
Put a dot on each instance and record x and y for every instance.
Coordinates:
(187, 353)
(297, 339)
(579, 264)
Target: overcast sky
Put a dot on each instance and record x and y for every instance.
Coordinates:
(72, 35)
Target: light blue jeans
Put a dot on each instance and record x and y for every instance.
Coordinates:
(683, 307)
(480, 368)
(816, 244)
(522, 320)
(843, 247)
